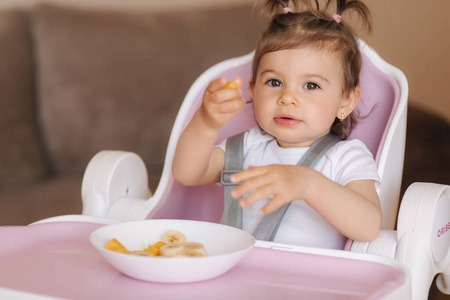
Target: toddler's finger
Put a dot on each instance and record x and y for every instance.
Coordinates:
(234, 84)
(231, 106)
(272, 206)
(259, 194)
(216, 84)
(233, 89)
(247, 174)
(238, 80)
(260, 184)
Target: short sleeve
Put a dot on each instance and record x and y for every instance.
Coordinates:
(353, 161)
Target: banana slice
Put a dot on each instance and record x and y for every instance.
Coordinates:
(141, 253)
(173, 237)
(189, 253)
(171, 250)
(194, 246)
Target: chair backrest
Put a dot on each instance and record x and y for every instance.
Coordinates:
(384, 89)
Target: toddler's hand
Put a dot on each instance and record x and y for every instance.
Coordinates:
(221, 104)
(285, 183)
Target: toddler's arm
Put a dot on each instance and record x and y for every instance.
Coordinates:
(196, 160)
(353, 209)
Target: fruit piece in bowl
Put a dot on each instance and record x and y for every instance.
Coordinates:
(225, 247)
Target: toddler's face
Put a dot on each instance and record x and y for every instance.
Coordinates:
(298, 94)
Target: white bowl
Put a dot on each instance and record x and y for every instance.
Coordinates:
(225, 245)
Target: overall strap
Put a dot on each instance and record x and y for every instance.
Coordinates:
(234, 162)
(269, 224)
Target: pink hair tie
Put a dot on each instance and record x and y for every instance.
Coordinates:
(337, 18)
(287, 10)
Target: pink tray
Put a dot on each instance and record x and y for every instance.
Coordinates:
(57, 260)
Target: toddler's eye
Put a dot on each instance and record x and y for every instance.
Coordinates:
(311, 86)
(274, 83)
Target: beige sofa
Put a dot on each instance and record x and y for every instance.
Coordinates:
(74, 81)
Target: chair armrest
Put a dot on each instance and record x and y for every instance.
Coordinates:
(385, 244)
(423, 232)
(422, 239)
(110, 176)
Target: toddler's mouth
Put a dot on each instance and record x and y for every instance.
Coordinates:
(286, 120)
(286, 117)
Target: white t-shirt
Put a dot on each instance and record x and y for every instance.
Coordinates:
(347, 161)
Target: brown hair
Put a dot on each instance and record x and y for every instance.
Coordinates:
(317, 28)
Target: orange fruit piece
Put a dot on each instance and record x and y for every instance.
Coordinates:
(159, 244)
(231, 85)
(152, 249)
(115, 245)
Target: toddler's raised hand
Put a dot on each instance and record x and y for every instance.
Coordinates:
(285, 183)
(220, 104)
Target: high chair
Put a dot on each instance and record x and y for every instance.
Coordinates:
(425, 207)
(115, 189)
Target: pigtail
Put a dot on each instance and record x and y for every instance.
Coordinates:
(273, 6)
(343, 6)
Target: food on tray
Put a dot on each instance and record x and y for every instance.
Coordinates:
(173, 237)
(173, 244)
(183, 249)
(151, 250)
(171, 250)
(115, 245)
(141, 253)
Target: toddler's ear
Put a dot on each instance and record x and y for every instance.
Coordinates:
(251, 85)
(349, 101)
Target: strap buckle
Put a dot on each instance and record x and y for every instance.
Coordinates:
(225, 177)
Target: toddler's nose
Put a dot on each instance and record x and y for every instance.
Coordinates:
(287, 99)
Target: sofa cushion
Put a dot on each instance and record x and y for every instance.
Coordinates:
(52, 197)
(115, 79)
(427, 148)
(21, 155)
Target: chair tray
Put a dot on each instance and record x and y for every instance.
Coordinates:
(57, 260)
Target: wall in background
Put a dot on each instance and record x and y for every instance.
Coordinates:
(410, 34)
(414, 36)
(127, 4)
